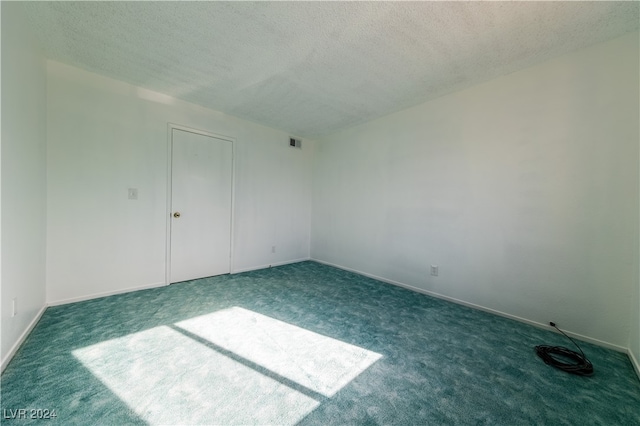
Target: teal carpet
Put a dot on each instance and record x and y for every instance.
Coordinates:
(302, 344)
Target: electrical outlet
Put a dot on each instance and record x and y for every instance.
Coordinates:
(14, 307)
(273, 249)
(434, 270)
(133, 193)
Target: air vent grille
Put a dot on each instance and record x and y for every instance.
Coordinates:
(295, 143)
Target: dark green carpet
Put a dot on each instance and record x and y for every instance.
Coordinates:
(307, 344)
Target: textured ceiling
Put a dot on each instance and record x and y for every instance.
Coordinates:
(314, 68)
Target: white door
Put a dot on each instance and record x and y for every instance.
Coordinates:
(201, 180)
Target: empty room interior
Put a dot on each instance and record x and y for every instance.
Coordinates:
(285, 213)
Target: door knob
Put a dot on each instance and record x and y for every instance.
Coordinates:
(176, 215)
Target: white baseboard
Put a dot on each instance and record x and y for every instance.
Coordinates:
(32, 324)
(634, 362)
(161, 284)
(255, 268)
(7, 359)
(105, 294)
(479, 307)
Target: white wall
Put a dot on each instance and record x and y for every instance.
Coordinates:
(524, 190)
(106, 136)
(23, 180)
(634, 334)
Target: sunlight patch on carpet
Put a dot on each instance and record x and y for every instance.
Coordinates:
(319, 363)
(168, 378)
(233, 366)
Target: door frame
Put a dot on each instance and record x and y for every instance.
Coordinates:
(170, 128)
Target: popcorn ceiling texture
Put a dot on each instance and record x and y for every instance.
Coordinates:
(315, 68)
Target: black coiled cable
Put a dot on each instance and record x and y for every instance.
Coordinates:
(557, 356)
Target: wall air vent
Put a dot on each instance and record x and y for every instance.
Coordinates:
(295, 143)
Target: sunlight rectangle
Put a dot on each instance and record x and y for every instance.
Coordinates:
(319, 363)
(169, 378)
